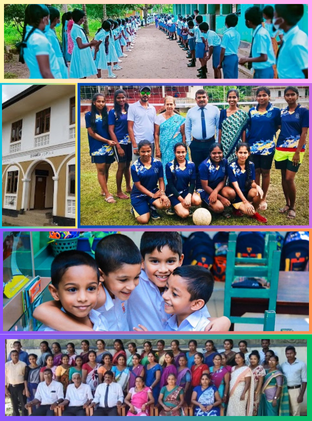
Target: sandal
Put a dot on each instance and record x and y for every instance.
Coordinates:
(122, 196)
(110, 199)
(263, 206)
(291, 213)
(259, 217)
(285, 209)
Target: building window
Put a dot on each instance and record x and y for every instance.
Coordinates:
(279, 94)
(71, 180)
(16, 131)
(72, 111)
(43, 121)
(12, 182)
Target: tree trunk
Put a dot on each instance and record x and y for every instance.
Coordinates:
(85, 25)
(65, 8)
(104, 12)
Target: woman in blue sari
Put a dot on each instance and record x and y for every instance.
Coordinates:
(206, 399)
(169, 130)
(153, 375)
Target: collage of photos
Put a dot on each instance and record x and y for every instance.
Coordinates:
(141, 197)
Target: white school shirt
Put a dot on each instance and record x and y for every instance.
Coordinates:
(293, 55)
(198, 35)
(78, 396)
(195, 322)
(230, 41)
(48, 394)
(262, 44)
(115, 394)
(144, 119)
(97, 319)
(114, 311)
(213, 38)
(295, 373)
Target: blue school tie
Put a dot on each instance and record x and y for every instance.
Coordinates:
(106, 397)
(203, 122)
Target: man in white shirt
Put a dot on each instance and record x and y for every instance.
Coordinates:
(108, 395)
(49, 395)
(295, 372)
(78, 397)
(15, 383)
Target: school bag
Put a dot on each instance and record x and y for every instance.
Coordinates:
(250, 244)
(295, 251)
(220, 242)
(198, 249)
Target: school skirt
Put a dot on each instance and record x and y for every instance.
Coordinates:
(230, 67)
(199, 50)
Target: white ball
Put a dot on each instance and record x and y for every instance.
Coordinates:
(202, 216)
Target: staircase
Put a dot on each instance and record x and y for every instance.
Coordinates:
(32, 218)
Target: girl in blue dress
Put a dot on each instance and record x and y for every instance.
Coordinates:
(181, 178)
(100, 54)
(65, 20)
(82, 60)
(100, 144)
(213, 172)
(109, 48)
(52, 37)
(242, 176)
(35, 49)
(206, 398)
(153, 375)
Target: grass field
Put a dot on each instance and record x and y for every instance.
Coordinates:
(95, 211)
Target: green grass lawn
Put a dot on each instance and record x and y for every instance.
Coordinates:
(95, 211)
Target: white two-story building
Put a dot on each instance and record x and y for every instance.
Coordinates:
(38, 157)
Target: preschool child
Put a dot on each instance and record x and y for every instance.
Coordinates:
(229, 48)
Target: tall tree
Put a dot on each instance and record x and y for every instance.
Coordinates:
(85, 25)
(104, 12)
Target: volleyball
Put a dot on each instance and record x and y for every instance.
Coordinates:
(202, 216)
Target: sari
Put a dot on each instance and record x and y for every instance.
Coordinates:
(161, 359)
(72, 359)
(206, 397)
(209, 359)
(171, 399)
(190, 359)
(217, 378)
(144, 360)
(129, 361)
(151, 377)
(185, 376)
(164, 376)
(138, 399)
(63, 373)
(99, 357)
(72, 371)
(115, 356)
(57, 359)
(92, 377)
(230, 358)
(169, 135)
(134, 373)
(231, 132)
(271, 382)
(197, 373)
(121, 377)
(85, 357)
(176, 358)
(257, 372)
(237, 407)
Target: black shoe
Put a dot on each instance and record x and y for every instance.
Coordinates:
(191, 64)
(203, 76)
(170, 212)
(154, 214)
(188, 55)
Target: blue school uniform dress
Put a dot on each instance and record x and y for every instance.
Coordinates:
(121, 132)
(116, 42)
(215, 41)
(39, 45)
(100, 152)
(181, 179)
(293, 55)
(123, 41)
(179, 29)
(199, 45)
(191, 39)
(230, 42)
(235, 173)
(261, 134)
(100, 58)
(262, 44)
(213, 173)
(148, 176)
(52, 37)
(111, 55)
(184, 27)
(82, 60)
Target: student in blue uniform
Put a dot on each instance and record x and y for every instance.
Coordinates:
(214, 51)
(118, 130)
(292, 62)
(147, 173)
(200, 47)
(264, 120)
(100, 56)
(262, 56)
(82, 60)
(229, 48)
(181, 177)
(242, 176)
(66, 17)
(213, 172)
(35, 49)
(52, 37)
(290, 146)
(100, 145)
(191, 43)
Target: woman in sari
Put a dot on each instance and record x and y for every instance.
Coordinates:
(242, 346)
(101, 351)
(169, 130)
(177, 353)
(258, 373)
(192, 345)
(106, 366)
(85, 346)
(139, 398)
(57, 353)
(48, 363)
(62, 372)
(132, 348)
(121, 372)
(153, 375)
(269, 353)
(90, 371)
(147, 346)
(70, 349)
(76, 369)
(224, 362)
(230, 355)
(171, 398)
(220, 378)
(232, 125)
(184, 378)
(274, 399)
(206, 398)
(160, 353)
(169, 368)
(120, 350)
(136, 370)
(241, 389)
(198, 369)
(211, 351)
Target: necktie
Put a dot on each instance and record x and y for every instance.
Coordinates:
(203, 123)
(106, 397)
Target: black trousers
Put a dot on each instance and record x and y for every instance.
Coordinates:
(106, 411)
(200, 151)
(74, 411)
(43, 410)
(17, 398)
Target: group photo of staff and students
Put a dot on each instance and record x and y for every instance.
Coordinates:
(241, 376)
(194, 155)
